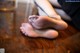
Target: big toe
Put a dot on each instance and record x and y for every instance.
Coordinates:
(32, 18)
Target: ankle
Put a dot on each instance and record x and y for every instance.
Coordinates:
(56, 17)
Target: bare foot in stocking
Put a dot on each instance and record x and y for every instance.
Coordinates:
(28, 30)
(42, 22)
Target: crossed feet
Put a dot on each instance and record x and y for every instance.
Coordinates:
(43, 22)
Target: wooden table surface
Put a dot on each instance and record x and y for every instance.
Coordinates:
(13, 41)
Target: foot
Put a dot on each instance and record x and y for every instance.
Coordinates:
(28, 30)
(41, 22)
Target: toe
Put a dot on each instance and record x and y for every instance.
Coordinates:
(32, 18)
(22, 29)
(25, 33)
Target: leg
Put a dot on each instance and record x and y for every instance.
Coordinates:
(28, 30)
(59, 11)
(46, 9)
(55, 3)
(45, 6)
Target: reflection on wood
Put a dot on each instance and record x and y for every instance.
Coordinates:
(13, 41)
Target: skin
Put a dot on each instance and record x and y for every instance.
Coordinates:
(28, 30)
(43, 22)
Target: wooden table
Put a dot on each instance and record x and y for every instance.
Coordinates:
(13, 41)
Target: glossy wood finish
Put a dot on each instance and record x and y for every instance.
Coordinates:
(13, 41)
